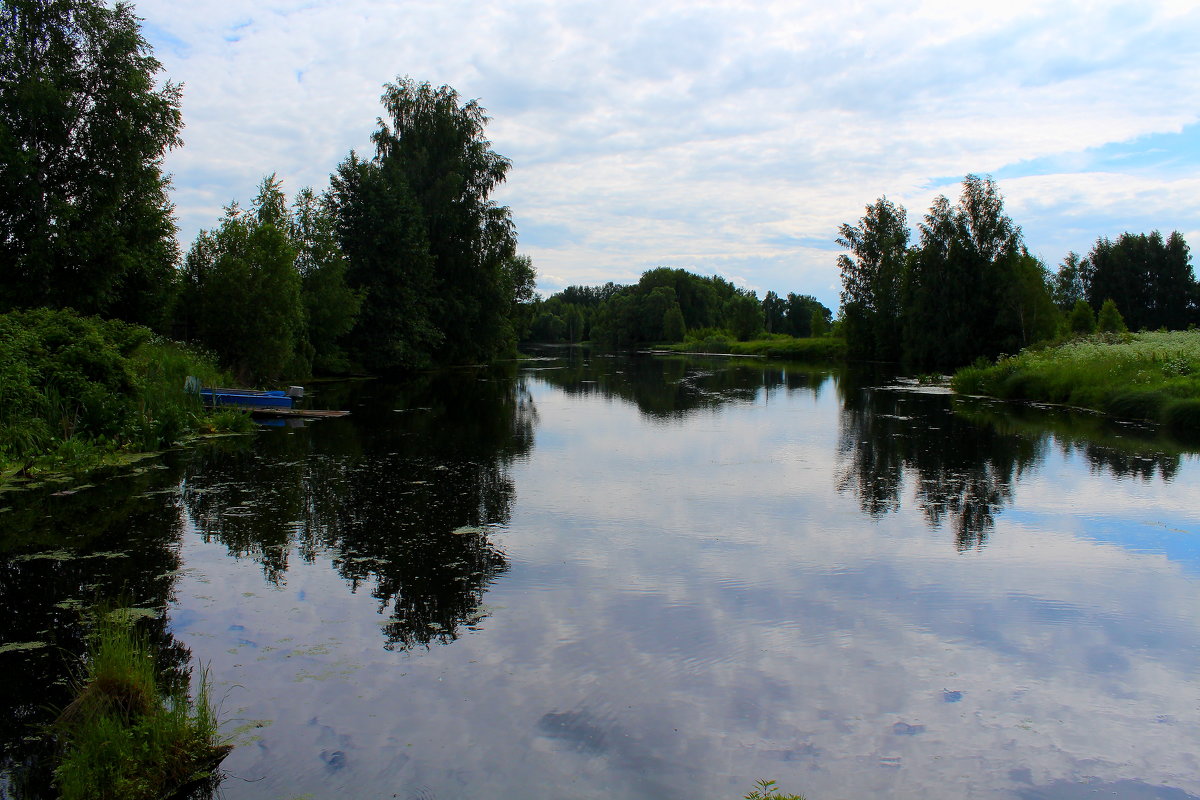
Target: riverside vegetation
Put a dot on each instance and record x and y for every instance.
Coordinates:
(130, 734)
(1152, 376)
(79, 392)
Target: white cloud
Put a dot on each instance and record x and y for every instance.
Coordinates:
(699, 134)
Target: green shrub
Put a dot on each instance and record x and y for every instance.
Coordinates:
(972, 380)
(1110, 320)
(1027, 385)
(227, 420)
(825, 349)
(1082, 320)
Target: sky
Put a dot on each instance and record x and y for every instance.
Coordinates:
(723, 137)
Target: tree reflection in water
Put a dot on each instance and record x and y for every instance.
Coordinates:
(961, 473)
(401, 496)
(963, 456)
(671, 387)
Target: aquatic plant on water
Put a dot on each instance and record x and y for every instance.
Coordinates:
(125, 735)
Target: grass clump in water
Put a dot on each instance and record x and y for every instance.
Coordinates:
(125, 735)
(767, 790)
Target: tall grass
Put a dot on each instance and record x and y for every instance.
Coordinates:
(1153, 376)
(124, 735)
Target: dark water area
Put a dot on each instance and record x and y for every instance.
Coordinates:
(645, 577)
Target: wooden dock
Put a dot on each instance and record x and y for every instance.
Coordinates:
(298, 413)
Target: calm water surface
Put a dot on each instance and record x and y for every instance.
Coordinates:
(649, 578)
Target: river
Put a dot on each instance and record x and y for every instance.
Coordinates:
(647, 578)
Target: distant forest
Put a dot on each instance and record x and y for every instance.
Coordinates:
(404, 261)
(667, 305)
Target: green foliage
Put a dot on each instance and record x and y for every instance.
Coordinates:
(968, 288)
(433, 148)
(1153, 376)
(331, 306)
(673, 325)
(126, 736)
(75, 388)
(380, 229)
(1110, 320)
(226, 420)
(84, 216)
(823, 350)
(872, 280)
(1138, 404)
(667, 305)
(1068, 285)
(819, 324)
(744, 316)
(1081, 319)
(432, 257)
(242, 293)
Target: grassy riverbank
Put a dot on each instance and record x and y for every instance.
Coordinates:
(1152, 376)
(822, 350)
(126, 735)
(78, 392)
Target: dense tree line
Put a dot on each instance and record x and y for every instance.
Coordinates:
(1149, 279)
(668, 304)
(969, 287)
(405, 261)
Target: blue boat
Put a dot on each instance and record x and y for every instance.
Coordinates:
(246, 398)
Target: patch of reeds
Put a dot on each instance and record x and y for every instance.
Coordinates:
(127, 736)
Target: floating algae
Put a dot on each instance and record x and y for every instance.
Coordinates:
(13, 647)
(67, 555)
(130, 615)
